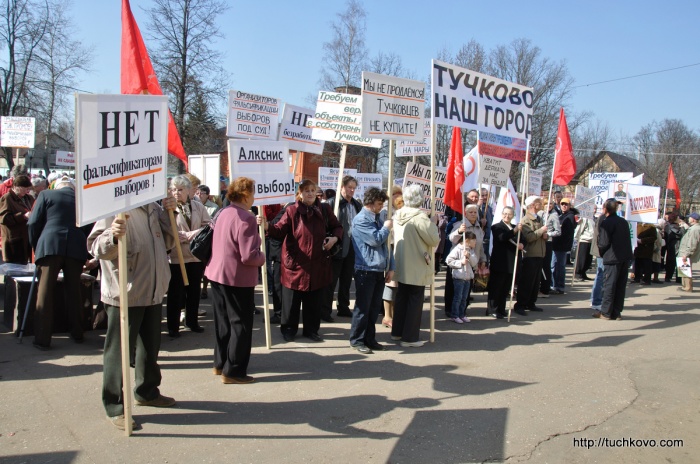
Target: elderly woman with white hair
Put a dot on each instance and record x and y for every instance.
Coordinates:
(415, 236)
(191, 218)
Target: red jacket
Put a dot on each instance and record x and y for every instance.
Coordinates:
(6, 186)
(305, 265)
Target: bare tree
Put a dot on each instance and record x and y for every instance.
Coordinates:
(346, 54)
(187, 65)
(589, 139)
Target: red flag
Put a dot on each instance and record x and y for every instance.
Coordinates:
(564, 161)
(671, 184)
(455, 172)
(138, 75)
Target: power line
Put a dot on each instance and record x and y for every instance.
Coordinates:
(621, 151)
(637, 75)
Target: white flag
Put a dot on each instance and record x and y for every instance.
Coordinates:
(471, 171)
(506, 197)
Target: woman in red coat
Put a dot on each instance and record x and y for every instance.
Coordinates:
(306, 261)
(15, 209)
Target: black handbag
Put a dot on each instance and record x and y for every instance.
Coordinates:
(200, 246)
(338, 247)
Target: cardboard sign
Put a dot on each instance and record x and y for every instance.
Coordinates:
(494, 171)
(121, 153)
(338, 118)
(267, 163)
(414, 148)
(365, 181)
(294, 130)
(599, 181)
(584, 201)
(534, 183)
(17, 132)
(392, 107)
(65, 158)
(252, 116)
(642, 203)
(472, 100)
(328, 177)
(421, 175)
(207, 169)
(500, 146)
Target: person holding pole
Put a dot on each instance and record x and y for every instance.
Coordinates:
(561, 245)
(535, 234)
(502, 263)
(147, 232)
(551, 220)
(233, 273)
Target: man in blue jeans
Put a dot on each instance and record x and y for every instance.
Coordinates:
(561, 245)
(373, 267)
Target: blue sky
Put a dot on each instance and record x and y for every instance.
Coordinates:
(274, 48)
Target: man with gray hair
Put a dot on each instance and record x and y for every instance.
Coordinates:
(38, 185)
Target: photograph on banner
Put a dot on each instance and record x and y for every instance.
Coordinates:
(338, 118)
(600, 181)
(494, 171)
(617, 191)
(534, 182)
(17, 131)
(476, 101)
(584, 201)
(392, 107)
(419, 174)
(120, 153)
(684, 269)
(643, 203)
(501, 146)
(252, 116)
(294, 130)
(267, 163)
(413, 148)
(328, 177)
(207, 169)
(65, 158)
(365, 181)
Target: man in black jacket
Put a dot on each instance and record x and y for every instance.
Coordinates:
(616, 249)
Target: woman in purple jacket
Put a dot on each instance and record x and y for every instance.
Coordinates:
(233, 274)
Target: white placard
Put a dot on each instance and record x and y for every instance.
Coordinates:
(393, 108)
(294, 130)
(65, 158)
(338, 118)
(17, 131)
(642, 203)
(121, 153)
(328, 177)
(252, 116)
(599, 181)
(476, 101)
(413, 148)
(419, 174)
(534, 182)
(267, 163)
(584, 201)
(207, 169)
(494, 171)
(365, 181)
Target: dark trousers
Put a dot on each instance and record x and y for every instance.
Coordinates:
(343, 270)
(49, 267)
(234, 308)
(144, 341)
(276, 287)
(180, 295)
(584, 258)
(642, 270)
(408, 309)
(369, 287)
(530, 275)
(547, 279)
(614, 289)
(292, 301)
(670, 265)
(498, 291)
(450, 292)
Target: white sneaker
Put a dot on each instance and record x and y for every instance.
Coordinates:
(465, 319)
(417, 344)
(457, 320)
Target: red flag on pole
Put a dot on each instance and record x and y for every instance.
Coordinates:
(671, 184)
(137, 74)
(564, 161)
(455, 172)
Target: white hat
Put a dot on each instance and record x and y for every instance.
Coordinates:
(531, 199)
(64, 180)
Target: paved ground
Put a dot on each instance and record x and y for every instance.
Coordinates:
(489, 391)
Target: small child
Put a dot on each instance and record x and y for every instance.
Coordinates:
(462, 260)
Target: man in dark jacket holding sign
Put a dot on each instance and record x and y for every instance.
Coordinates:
(616, 249)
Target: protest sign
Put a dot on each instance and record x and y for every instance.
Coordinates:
(252, 116)
(421, 175)
(392, 107)
(65, 158)
(584, 201)
(501, 146)
(294, 130)
(506, 197)
(267, 163)
(414, 148)
(494, 171)
(642, 203)
(207, 169)
(599, 181)
(365, 181)
(328, 177)
(534, 182)
(472, 100)
(121, 149)
(338, 118)
(16, 131)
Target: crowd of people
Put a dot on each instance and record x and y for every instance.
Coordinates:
(386, 244)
